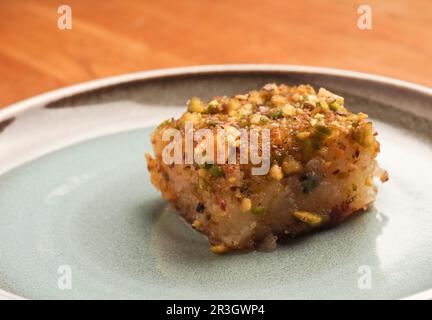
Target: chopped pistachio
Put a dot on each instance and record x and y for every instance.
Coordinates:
(216, 171)
(330, 97)
(258, 210)
(335, 106)
(312, 219)
(324, 105)
(213, 106)
(196, 105)
(276, 114)
(340, 100)
(363, 135)
(321, 131)
(264, 119)
(207, 165)
(319, 116)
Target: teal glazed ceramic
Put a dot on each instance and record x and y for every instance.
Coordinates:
(79, 218)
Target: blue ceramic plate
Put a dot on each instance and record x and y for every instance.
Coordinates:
(80, 219)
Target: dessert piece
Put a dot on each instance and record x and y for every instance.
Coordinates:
(316, 164)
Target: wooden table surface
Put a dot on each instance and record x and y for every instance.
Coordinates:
(116, 36)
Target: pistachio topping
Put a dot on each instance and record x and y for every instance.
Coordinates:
(312, 219)
(258, 210)
(196, 105)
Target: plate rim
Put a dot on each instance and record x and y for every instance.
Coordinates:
(41, 100)
(53, 95)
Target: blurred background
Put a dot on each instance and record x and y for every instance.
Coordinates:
(111, 37)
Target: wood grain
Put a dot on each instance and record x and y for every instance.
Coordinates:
(117, 36)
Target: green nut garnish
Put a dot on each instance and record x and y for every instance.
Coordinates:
(258, 210)
(196, 105)
(364, 135)
(216, 171)
(321, 131)
(335, 106)
(324, 105)
(263, 119)
(310, 218)
(277, 114)
(207, 165)
(213, 106)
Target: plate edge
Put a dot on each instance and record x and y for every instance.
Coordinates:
(51, 96)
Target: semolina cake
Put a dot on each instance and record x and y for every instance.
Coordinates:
(316, 165)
